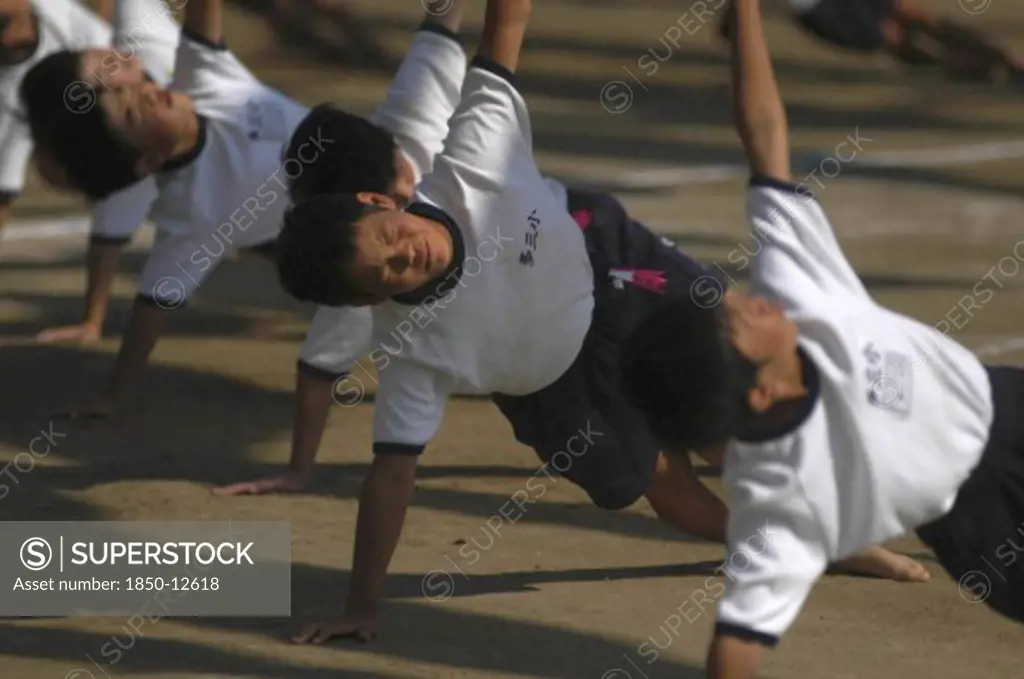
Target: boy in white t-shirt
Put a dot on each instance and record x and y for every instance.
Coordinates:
(908, 31)
(419, 102)
(465, 278)
(32, 31)
(145, 40)
(844, 424)
(213, 142)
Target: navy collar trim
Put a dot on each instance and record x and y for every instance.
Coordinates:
(446, 281)
(184, 160)
(801, 409)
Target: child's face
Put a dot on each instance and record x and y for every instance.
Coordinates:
(397, 252)
(153, 120)
(108, 69)
(17, 32)
(762, 334)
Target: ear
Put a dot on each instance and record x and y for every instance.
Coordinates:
(378, 199)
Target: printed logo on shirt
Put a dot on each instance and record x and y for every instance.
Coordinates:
(265, 121)
(890, 379)
(532, 232)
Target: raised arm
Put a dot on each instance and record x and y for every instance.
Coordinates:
(204, 19)
(146, 30)
(489, 137)
(504, 29)
(758, 112)
(426, 89)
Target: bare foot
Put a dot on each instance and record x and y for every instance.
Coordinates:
(882, 563)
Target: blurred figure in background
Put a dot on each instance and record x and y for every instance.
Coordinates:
(909, 32)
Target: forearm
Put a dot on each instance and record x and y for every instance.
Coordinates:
(204, 18)
(385, 498)
(101, 267)
(313, 398)
(104, 8)
(504, 29)
(680, 499)
(450, 18)
(758, 112)
(732, 658)
(144, 329)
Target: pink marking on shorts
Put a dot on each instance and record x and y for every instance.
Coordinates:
(582, 218)
(648, 279)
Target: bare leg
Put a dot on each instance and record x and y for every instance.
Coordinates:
(682, 501)
(882, 563)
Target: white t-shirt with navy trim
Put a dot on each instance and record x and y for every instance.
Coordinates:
(146, 30)
(515, 319)
(422, 97)
(901, 418)
(234, 192)
(63, 25)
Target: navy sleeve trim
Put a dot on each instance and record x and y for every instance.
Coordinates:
(310, 370)
(7, 197)
(151, 301)
(494, 67)
(780, 185)
(432, 27)
(218, 45)
(99, 239)
(725, 629)
(407, 449)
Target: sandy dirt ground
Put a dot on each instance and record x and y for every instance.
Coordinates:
(926, 211)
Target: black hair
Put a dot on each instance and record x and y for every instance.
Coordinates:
(681, 370)
(344, 154)
(316, 248)
(67, 121)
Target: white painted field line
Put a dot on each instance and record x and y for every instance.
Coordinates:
(41, 229)
(1001, 348)
(967, 154)
(949, 156)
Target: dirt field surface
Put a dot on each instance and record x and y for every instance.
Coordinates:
(922, 178)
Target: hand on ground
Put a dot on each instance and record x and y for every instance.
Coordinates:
(361, 627)
(76, 334)
(287, 483)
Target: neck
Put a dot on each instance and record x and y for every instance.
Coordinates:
(796, 392)
(449, 241)
(786, 372)
(189, 137)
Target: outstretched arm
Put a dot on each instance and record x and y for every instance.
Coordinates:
(204, 19)
(425, 91)
(759, 115)
(504, 29)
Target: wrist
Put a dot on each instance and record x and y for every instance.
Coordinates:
(300, 469)
(360, 605)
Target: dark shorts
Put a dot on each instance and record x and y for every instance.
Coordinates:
(980, 542)
(853, 24)
(581, 425)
